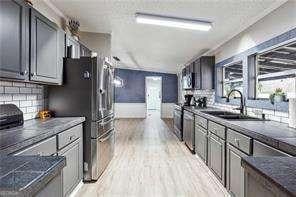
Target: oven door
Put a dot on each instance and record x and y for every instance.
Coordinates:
(102, 153)
(177, 119)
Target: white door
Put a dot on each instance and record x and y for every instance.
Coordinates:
(153, 93)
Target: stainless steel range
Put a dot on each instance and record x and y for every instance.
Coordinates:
(88, 91)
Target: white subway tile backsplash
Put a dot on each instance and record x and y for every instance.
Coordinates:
(18, 84)
(281, 114)
(11, 90)
(28, 97)
(25, 90)
(31, 109)
(37, 90)
(19, 97)
(5, 83)
(32, 96)
(5, 97)
(25, 103)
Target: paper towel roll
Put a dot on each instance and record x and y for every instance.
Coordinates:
(292, 112)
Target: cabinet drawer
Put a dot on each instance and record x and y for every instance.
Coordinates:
(261, 149)
(201, 121)
(43, 148)
(217, 129)
(69, 136)
(239, 141)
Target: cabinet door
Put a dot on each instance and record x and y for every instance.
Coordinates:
(47, 49)
(71, 171)
(216, 156)
(73, 47)
(13, 39)
(53, 188)
(201, 142)
(84, 51)
(207, 72)
(234, 171)
(197, 71)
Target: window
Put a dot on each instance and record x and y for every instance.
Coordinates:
(232, 78)
(276, 69)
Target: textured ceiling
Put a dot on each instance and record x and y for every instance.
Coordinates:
(158, 48)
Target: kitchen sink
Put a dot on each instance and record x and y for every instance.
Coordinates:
(232, 116)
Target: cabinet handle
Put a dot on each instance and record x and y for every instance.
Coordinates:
(72, 137)
(236, 141)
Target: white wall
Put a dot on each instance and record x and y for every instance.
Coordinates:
(97, 42)
(277, 22)
(138, 110)
(130, 110)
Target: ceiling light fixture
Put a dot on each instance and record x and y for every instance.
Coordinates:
(173, 22)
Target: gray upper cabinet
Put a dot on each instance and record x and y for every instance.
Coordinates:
(84, 51)
(204, 72)
(14, 37)
(72, 47)
(47, 50)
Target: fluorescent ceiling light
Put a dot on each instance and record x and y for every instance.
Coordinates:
(173, 22)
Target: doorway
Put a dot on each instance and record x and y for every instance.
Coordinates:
(153, 95)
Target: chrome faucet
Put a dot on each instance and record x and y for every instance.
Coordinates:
(242, 102)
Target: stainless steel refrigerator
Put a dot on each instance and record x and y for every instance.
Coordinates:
(88, 91)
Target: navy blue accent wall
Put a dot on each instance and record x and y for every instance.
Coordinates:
(133, 90)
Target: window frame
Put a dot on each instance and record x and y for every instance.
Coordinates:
(253, 70)
(223, 75)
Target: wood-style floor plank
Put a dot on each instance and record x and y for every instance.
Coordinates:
(150, 161)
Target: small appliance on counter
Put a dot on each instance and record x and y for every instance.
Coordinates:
(10, 116)
(201, 102)
(188, 98)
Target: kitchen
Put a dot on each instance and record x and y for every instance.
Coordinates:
(79, 118)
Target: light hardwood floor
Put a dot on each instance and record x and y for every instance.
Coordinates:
(150, 161)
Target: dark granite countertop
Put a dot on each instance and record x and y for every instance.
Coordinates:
(26, 175)
(280, 171)
(33, 131)
(275, 134)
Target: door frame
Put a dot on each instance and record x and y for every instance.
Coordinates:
(146, 103)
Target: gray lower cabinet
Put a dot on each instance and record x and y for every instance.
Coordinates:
(70, 145)
(235, 172)
(53, 188)
(14, 38)
(71, 170)
(47, 49)
(201, 142)
(257, 186)
(216, 156)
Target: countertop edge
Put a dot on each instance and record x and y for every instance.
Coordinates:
(274, 142)
(15, 147)
(253, 169)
